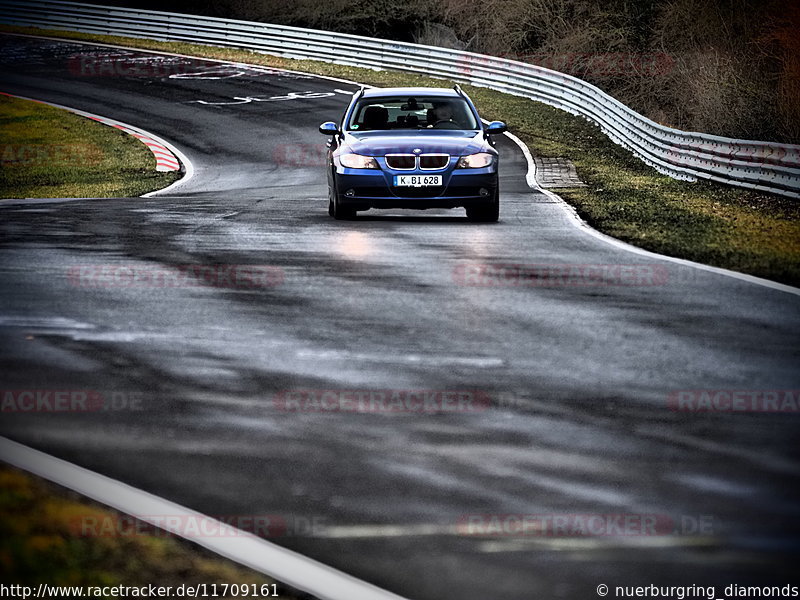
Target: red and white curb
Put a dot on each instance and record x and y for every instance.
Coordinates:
(288, 567)
(167, 157)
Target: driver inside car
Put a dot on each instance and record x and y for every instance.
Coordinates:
(442, 116)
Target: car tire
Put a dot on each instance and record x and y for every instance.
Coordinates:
(488, 213)
(336, 210)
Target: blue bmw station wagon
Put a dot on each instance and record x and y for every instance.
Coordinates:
(412, 148)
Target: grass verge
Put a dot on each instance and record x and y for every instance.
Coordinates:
(40, 543)
(715, 224)
(48, 152)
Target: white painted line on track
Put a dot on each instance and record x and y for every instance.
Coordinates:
(245, 548)
(577, 221)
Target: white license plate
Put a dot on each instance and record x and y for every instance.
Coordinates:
(417, 180)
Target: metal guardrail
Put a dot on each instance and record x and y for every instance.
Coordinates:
(764, 166)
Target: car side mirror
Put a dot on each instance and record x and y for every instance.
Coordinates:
(329, 128)
(496, 127)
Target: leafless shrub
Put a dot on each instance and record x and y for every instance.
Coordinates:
(436, 34)
(733, 65)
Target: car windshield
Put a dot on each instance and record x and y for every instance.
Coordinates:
(419, 112)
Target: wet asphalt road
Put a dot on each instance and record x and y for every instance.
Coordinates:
(578, 377)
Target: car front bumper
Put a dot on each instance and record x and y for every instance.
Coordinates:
(371, 188)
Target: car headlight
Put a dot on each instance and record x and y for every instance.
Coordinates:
(475, 161)
(357, 161)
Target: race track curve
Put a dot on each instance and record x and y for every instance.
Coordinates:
(578, 377)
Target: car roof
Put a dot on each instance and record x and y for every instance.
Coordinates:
(409, 91)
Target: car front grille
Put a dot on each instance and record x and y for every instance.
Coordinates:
(405, 162)
(433, 161)
(427, 162)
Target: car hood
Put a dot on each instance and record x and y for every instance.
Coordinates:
(379, 143)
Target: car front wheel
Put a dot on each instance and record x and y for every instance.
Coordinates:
(335, 208)
(486, 213)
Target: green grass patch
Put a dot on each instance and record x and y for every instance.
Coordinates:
(40, 542)
(48, 152)
(711, 223)
(703, 221)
